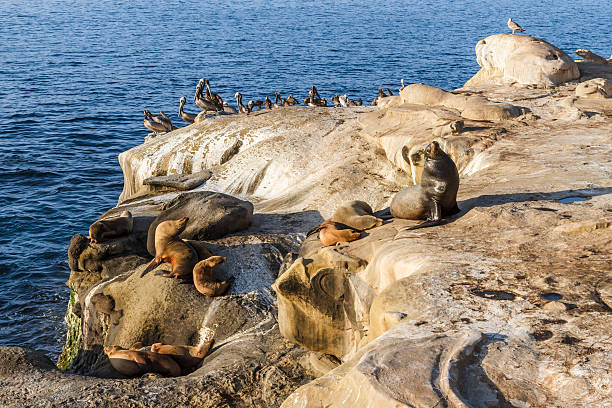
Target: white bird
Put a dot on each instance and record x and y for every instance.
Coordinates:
(514, 27)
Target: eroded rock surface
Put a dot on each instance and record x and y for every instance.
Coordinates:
(522, 60)
(505, 304)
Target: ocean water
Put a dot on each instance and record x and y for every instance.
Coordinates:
(75, 76)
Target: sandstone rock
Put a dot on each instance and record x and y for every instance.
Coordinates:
(268, 170)
(591, 56)
(522, 60)
(470, 107)
(211, 215)
(181, 182)
(598, 88)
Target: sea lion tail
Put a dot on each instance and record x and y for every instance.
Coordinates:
(154, 263)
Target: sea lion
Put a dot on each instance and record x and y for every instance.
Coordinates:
(113, 227)
(170, 248)
(436, 196)
(332, 233)
(204, 280)
(356, 214)
(134, 362)
(186, 356)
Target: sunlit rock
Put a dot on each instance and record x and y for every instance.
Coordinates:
(521, 60)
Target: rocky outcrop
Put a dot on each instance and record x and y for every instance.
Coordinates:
(521, 60)
(505, 304)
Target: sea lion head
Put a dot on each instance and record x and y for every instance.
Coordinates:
(171, 228)
(433, 151)
(111, 349)
(214, 260)
(456, 126)
(95, 232)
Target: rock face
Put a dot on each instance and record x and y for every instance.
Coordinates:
(505, 305)
(522, 60)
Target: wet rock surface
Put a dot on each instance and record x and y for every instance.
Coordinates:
(505, 304)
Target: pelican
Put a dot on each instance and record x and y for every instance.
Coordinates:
(277, 100)
(402, 84)
(241, 107)
(187, 117)
(268, 103)
(152, 125)
(204, 103)
(211, 96)
(359, 102)
(389, 92)
(228, 109)
(514, 27)
(292, 101)
(336, 100)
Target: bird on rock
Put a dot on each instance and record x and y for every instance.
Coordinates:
(514, 27)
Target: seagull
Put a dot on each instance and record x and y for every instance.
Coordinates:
(514, 27)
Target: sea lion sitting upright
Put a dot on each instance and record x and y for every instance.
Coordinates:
(356, 214)
(170, 248)
(113, 227)
(186, 356)
(436, 196)
(133, 362)
(204, 280)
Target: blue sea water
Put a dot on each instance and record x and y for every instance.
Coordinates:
(75, 76)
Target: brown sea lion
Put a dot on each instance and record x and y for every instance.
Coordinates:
(331, 233)
(133, 362)
(204, 280)
(170, 248)
(436, 196)
(113, 227)
(356, 214)
(186, 356)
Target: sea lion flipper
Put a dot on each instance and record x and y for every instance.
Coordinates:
(154, 263)
(435, 216)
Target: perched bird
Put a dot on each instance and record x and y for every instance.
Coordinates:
(153, 125)
(241, 107)
(229, 109)
(203, 103)
(268, 103)
(336, 100)
(292, 101)
(187, 117)
(514, 27)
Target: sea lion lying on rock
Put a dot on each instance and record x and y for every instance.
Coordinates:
(170, 248)
(113, 227)
(186, 356)
(204, 280)
(436, 196)
(332, 233)
(356, 214)
(134, 362)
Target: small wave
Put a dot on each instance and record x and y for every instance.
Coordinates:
(93, 119)
(29, 173)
